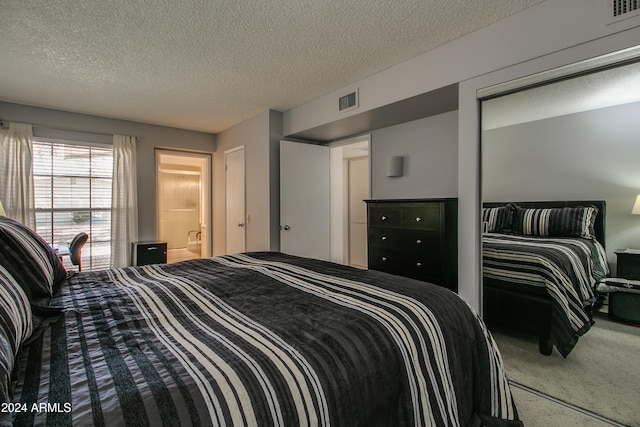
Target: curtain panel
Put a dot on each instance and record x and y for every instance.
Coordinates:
(16, 173)
(124, 200)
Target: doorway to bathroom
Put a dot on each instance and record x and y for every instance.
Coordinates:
(183, 203)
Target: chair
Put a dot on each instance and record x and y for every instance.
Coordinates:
(75, 249)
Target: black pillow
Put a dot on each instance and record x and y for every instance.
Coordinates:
(498, 219)
(30, 260)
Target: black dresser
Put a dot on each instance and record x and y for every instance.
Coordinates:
(415, 238)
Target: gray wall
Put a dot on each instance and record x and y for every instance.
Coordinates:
(589, 155)
(260, 136)
(429, 148)
(512, 40)
(148, 137)
(512, 48)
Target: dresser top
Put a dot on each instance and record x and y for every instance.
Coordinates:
(441, 199)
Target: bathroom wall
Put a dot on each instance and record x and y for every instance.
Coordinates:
(180, 204)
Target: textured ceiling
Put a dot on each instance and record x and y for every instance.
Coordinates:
(208, 64)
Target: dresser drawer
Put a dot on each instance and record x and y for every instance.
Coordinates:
(387, 260)
(422, 218)
(428, 268)
(385, 216)
(408, 241)
(406, 217)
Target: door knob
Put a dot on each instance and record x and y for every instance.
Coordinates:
(286, 227)
(241, 225)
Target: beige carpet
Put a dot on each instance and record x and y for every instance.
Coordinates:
(536, 410)
(601, 375)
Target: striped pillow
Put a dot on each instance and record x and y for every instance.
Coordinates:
(16, 325)
(29, 259)
(498, 219)
(556, 222)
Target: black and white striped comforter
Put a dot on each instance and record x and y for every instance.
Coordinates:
(261, 339)
(569, 269)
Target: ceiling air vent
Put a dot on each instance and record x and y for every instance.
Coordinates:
(348, 102)
(622, 9)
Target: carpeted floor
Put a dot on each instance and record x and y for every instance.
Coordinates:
(601, 375)
(538, 410)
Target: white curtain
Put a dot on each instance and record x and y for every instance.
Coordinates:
(16, 173)
(124, 200)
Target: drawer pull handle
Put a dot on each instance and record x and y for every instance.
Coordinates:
(418, 264)
(418, 219)
(418, 241)
(384, 258)
(384, 218)
(384, 237)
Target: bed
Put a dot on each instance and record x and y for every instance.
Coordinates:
(541, 263)
(250, 339)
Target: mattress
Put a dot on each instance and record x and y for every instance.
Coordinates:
(259, 339)
(564, 268)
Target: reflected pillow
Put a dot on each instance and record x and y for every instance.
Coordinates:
(30, 260)
(498, 219)
(556, 222)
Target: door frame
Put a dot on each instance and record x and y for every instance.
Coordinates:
(348, 196)
(341, 151)
(205, 191)
(244, 197)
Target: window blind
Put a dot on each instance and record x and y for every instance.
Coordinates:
(73, 194)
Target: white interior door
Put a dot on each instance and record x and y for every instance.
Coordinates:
(305, 210)
(235, 227)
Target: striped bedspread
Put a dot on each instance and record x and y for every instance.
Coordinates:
(569, 269)
(261, 339)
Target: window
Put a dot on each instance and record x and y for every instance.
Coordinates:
(72, 194)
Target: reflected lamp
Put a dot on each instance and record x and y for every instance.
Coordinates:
(636, 206)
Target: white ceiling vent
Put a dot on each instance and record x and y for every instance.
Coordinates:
(623, 9)
(348, 101)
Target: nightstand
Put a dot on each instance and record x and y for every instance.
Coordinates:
(628, 261)
(624, 306)
(143, 253)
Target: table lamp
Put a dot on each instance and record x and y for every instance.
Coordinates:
(636, 206)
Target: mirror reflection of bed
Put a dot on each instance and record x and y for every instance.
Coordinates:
(541, 261)
(572, 140)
